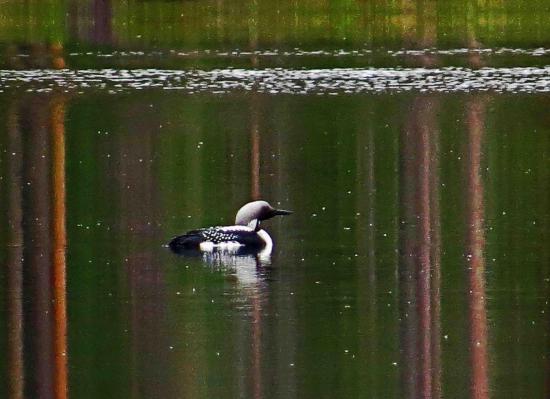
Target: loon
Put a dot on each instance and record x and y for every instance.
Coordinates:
(244, 236)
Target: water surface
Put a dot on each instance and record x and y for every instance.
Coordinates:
(415, 264)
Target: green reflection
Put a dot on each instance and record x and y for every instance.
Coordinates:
(341, 311)
(311, 24)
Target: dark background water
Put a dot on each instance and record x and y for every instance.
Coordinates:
(416, 262)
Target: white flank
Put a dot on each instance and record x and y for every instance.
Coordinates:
(206, 246)
(209, 246)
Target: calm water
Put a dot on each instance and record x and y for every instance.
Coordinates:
(416, 263)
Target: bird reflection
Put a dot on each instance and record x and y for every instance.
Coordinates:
(247, 265)
(249, 269)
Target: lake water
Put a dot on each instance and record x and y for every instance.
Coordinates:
(416, 263)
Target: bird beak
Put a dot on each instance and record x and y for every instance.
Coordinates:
(281, 212)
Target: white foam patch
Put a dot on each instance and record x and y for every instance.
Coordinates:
(301, 53)
(286, 81)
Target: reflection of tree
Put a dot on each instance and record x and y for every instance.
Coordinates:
(255, 146)
(102, 31)
(420, 251)
(38, 55)
(256, 367)
(253, 22)
(57, 118)
(38, 328)
(420, 28)
(255, 193)
(90, 22)
(366, 247)
(37, 251)
(476, 245)
(435, 255)
(419, 270)
(138, 210)
(14, 264)
(218, 24)
(544, 204)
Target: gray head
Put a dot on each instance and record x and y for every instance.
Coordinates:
(252, 213)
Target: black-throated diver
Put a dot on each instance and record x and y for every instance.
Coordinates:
(244, 235)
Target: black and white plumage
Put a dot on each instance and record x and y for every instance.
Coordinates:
(244, 236)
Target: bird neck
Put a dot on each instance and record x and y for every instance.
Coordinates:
(267, 239)
(254, 224)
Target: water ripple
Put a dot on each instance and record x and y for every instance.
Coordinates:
(298, 52)
(286, 81)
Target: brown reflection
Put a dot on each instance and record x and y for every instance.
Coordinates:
(420, 247)
(435, 258)
(419, 251)
(37, 338)
(476, 109)
(420, 29)
(37, 55)
(544, 204)
(102, 31)
(151, 349)
(366, 245)
(251, 284)
(423, 252)
(14, 264)
(37, 218)
(256, 348)
(255, 147)
(57, 55)
(185, 24)
(256, 367)
(253, 34)
(57, 119)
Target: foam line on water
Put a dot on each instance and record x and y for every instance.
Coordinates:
(287, 81)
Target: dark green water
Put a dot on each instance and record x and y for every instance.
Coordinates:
(416, 263)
